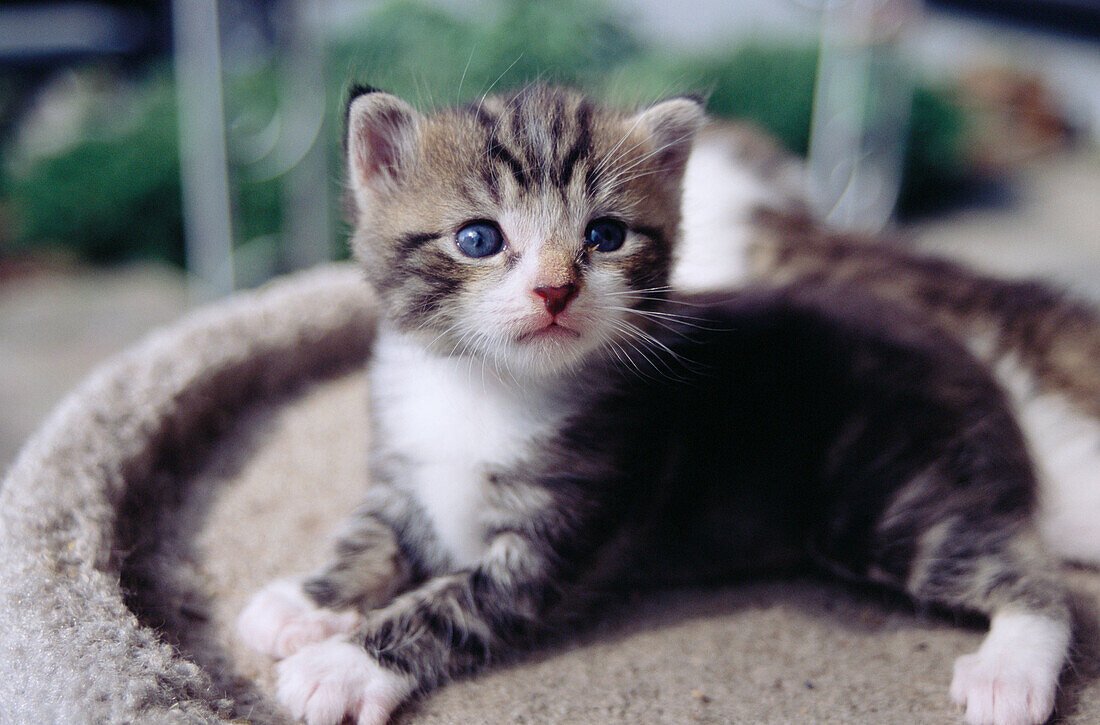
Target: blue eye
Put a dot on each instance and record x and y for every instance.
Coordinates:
(479, 239)
(605, 235)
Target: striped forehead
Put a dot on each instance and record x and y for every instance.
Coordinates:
(536, 140)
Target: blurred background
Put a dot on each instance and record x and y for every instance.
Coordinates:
(158, 154)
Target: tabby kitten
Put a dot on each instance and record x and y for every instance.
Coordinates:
(548, 420)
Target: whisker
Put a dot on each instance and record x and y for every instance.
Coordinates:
(679, 333)
(631, 294)
(446, 331)
(458, 94)
(644, 290)
(687, 320)
(624, 355)
(632, 331)
(610, 157)
(503, 73)
(642, 334)
(646, 355)
(636, 162)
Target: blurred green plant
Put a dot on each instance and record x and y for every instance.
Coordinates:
(770, 85)
(773, 86)
(431, 57)
(107, 197)
(115, 196)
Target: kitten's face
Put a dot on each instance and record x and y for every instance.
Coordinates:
(524, 230)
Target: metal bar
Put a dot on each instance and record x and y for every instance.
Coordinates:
(208, 232)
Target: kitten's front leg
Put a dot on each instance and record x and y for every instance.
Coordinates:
(369, 567)
(451, 624)
(281, 619)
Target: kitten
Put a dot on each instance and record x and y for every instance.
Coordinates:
(1042, 345)
(548, 420)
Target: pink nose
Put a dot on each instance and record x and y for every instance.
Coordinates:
(556, 298)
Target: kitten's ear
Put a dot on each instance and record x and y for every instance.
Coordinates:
(381, 142)
(672, 125)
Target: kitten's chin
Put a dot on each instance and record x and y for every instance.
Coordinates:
(547, 351)
(553, 331)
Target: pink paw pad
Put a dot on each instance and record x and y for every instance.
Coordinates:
(280, 620)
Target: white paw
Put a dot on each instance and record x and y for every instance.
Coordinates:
(324, 683)
(281, 619)
(1013, 677)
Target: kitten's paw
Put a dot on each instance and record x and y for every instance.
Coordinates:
(281, 619)
(1001, 693)
(1013, 677)
(324, 683)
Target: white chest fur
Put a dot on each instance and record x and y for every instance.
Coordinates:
(453, 420)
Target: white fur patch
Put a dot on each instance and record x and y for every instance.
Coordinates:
(280, 620)
(719, 198)
(715, 230)
(454, 418)
(496, 324)
(326, 682)
(1012, 678)
(1065, 443)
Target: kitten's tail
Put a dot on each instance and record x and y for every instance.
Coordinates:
(1043, 346)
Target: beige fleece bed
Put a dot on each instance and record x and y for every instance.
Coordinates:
(224, 450)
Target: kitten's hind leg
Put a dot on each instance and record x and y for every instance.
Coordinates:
(997, 568)
(368, 569)
(1009, 679)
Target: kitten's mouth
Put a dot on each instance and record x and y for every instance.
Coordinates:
(550, 332)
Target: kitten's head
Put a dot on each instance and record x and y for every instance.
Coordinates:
(524, 229)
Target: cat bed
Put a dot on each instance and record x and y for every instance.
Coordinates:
(223, 451)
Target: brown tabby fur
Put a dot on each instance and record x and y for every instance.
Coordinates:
(1056, 337)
